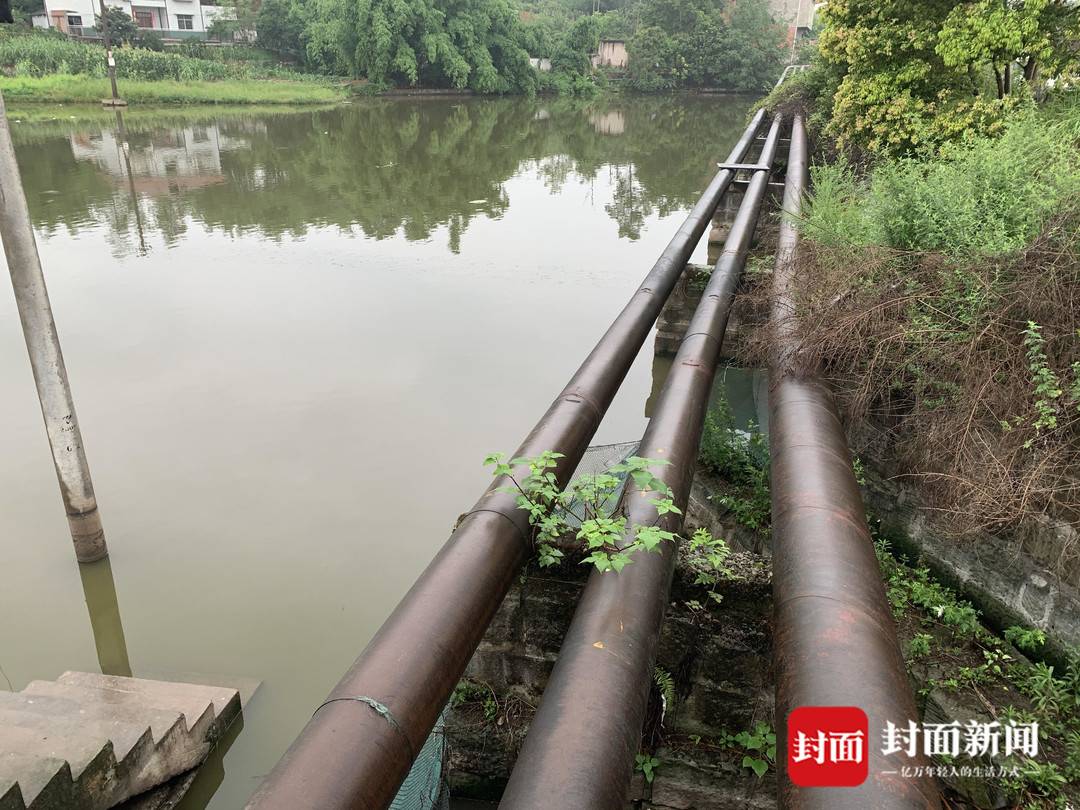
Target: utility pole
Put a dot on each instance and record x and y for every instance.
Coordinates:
(110, 62)
(46, 360)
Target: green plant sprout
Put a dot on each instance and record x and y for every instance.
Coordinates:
(714, 552)
(646, 764)
(600, 527)
(1027, 639)
(760, 745)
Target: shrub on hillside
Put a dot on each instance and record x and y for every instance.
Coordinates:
(942, 298)
(986, 196)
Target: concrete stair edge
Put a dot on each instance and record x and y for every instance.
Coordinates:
(61, 738)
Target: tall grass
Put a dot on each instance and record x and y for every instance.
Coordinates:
(38, 55)
(942, 297)
(76, 89)
(990, 196)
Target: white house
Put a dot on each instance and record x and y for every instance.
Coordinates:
(177, 19)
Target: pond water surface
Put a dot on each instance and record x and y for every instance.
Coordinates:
(292, 336)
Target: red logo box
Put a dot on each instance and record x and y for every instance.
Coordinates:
(828, 746)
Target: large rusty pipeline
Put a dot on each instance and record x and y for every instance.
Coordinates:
(579, 752)
(360, 743)
(834, 637)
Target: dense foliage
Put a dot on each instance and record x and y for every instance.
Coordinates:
(949, 649)
(482, 45)
(121, 27)
(699, 43)
(465, 43)
(907, 75)
(991, 196)
(941, 286)
(485, 45)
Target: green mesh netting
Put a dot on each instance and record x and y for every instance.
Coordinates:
(422, 788)
(596, 460)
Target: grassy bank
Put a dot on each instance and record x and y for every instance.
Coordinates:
(65, 88)
(940, 292)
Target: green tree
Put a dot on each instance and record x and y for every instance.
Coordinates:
(571, 68)
(743, 53)
(122, 29)
(656, 62)
(675, 16)
(540, 35)
(911, 71)
(997, 34)
(456, 43)
(280, 27)
(21, 10)
(707, 55)
(754, 46)
(580, 42)
(738, 46)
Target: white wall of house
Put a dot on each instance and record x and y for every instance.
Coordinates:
(159, 15)
(611, 53)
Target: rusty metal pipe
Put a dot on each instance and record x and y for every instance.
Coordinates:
(359, 745)
(834, 636)
(579, 752)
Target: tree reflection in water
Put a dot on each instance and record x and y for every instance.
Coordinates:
(376, 167)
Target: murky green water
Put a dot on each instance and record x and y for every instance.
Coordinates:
(292, 337)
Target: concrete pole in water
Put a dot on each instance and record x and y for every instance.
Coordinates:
(99, 588)
(39, 329)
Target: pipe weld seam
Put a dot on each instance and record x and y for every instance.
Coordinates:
(706, 335)
(856, 606)
(528, 540)
(837, 511)
(598, 412)
(380, 710)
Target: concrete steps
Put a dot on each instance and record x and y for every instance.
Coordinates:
(89, 742)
